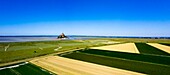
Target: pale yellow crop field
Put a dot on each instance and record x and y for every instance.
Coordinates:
(160, 46)
(125, 47)
(66, 66)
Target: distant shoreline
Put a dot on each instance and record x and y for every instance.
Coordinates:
(27, 38)
(85, 36)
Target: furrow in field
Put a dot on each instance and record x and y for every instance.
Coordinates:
(76, 67)
(127, 47)
(160, 46)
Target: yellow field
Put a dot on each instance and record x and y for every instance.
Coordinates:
(161, 47)
(127, 47)
(65, 66)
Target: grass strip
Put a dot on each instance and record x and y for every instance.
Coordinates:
(142, 67)
(27, 69)
(6, 72)
(147, 49)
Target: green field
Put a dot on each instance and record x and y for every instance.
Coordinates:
(22, 50)
(147, 49)
(133, 65)
(130, 56)
(150, 61)
(26, 69)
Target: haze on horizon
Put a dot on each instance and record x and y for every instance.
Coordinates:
(85, 17)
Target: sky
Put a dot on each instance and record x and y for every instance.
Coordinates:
(85, 17)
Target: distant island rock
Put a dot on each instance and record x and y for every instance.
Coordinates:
(62, 36)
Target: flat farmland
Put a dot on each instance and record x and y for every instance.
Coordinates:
(13, 51)
(130, 56)
(66, 66)
(24, 69)
(124, 47)
(34, 46)
(87, 57)
(164, 48)
(147, 49)
(131, 65)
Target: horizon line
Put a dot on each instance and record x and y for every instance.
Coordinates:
(17, 35)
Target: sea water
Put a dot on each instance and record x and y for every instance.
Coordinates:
(37, 38)
(70, 37)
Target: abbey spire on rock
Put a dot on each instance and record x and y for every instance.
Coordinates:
(62, 36)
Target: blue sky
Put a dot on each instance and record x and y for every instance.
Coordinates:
(85, 17)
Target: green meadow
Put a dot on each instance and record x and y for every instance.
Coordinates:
(150, 60)
(23, 50)
(27, 69)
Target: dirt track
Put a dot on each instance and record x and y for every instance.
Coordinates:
(160, 46)
(127, 47)
(65, 66)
